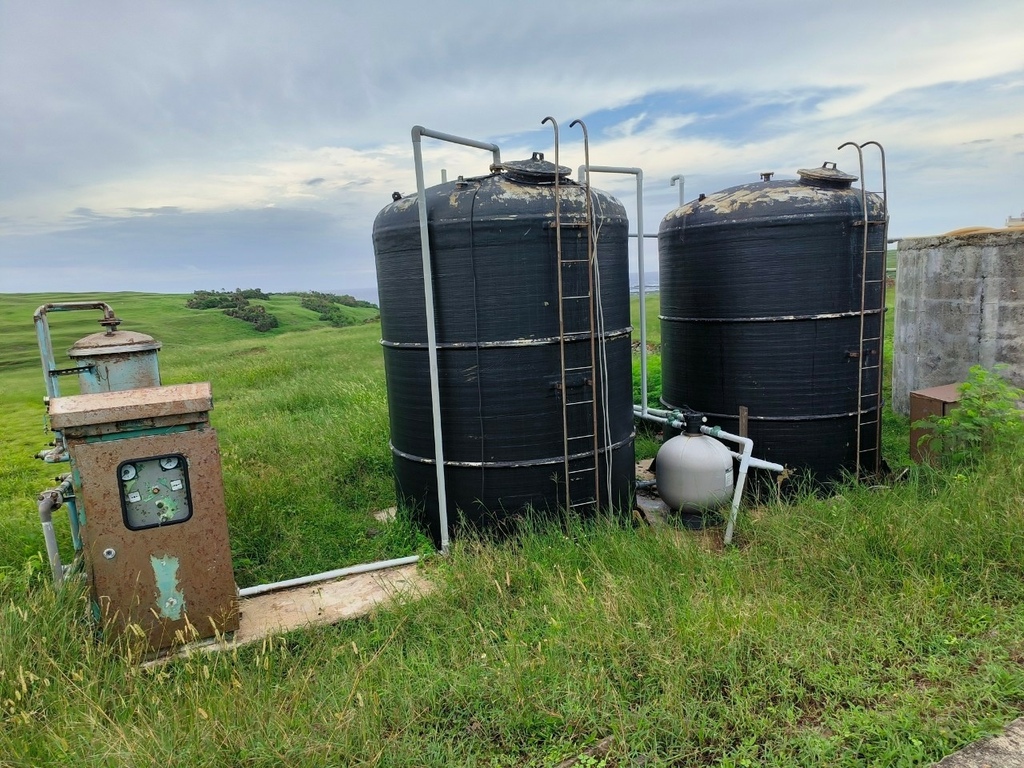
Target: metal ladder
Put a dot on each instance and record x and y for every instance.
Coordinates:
(871, 348)
(577, 386)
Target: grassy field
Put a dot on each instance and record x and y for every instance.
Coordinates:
(300, 410)
(879, 626)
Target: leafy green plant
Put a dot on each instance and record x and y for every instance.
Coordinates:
(988, 418)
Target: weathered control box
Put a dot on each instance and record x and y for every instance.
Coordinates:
(147, 473)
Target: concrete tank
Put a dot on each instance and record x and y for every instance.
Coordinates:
(959, 302)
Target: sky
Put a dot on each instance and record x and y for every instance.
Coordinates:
(176, 146)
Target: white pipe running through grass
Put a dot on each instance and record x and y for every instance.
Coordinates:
(338, 573)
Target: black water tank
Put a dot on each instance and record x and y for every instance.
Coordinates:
(495, 267)
(761, 307)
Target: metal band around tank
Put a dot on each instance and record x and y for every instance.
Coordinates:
(828, 316)
(509, 343)
(822, 417)
(510, 464)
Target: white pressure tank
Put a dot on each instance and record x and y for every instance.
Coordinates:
(694, 473)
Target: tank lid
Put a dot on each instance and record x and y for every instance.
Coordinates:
(826, 176)
(536, 169)
(113, 343)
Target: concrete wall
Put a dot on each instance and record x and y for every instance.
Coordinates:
(959, 302)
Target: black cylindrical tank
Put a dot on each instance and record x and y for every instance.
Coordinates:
(761, 307)
(496, 293)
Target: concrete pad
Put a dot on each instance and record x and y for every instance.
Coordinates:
(1003, 751)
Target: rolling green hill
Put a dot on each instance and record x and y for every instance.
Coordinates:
(300, 410)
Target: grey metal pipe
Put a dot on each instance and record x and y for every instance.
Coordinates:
(45, 342)
(585, 171)
(327, 576)
(419, 131)
(49, 501)
(682, 185)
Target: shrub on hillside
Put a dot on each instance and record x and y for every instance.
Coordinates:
(329, 306)
(236, 304)
(255, 314)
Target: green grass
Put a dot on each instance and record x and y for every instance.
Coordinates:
(300, 411)
(878, 626)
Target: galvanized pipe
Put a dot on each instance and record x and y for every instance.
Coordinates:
(327, 576)
(45, 342)
(585, 171)
(682, 185)
(418, 132)
(48, 501)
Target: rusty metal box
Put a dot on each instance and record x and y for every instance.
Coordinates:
(934, 401)
(148, 477)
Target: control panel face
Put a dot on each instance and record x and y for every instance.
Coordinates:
(154, 491)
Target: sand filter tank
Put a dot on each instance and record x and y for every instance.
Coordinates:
(507, 420)
(771, 299)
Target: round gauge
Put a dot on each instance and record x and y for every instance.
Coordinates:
(128, 472)
(169, 462)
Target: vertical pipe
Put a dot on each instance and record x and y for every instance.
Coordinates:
(76, 531)
(47, 501)
(640, 265)
(682, 185)
(428, 300)
(643, 289)
(46, 353)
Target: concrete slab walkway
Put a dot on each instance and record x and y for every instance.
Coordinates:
(1003, 751)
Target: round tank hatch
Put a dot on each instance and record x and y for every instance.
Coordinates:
(827, 176)
(536, 170)
(115, 343)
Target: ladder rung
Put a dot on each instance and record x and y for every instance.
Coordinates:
(580, 368)
(581, 471)
(578, 402)
(575, 261)
(576, 298)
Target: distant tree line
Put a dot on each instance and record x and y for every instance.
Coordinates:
(236, 304)
(329, 306)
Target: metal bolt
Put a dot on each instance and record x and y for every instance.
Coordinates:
(109, 553)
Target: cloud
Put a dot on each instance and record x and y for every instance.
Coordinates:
(170, 129)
